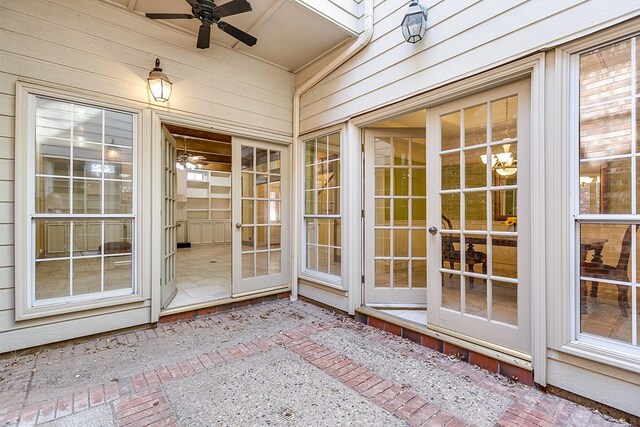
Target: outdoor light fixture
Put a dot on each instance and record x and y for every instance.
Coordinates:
(414, 23)
(159, 84)
(113, 152)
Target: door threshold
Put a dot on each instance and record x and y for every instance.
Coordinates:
(414, 306)
(224, 304)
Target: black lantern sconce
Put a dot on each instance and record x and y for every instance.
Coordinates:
(159, 84)
(414, 23)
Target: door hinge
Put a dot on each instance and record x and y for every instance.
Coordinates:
(362, 213)
(362, 146)
(362, 279)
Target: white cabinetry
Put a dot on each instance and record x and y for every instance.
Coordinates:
(208, 197)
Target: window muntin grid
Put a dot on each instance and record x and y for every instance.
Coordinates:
(478, 198)
(261, 203)
(400, 212)
(82, 211)
(322, 217)
(606, 206)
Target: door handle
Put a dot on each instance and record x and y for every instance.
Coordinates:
(433, 230)
(238, 225)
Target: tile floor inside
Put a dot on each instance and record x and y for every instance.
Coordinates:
(203, 274)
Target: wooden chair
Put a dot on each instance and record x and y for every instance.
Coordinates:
(598, 270)
(452, 255)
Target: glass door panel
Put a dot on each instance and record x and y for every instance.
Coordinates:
(395, 218)
(478, 258)
(169, 242)
(260, 216)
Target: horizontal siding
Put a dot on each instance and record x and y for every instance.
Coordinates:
(462, 38)
(7, 277)
(118, 58)
(7, 298)
(6, 213)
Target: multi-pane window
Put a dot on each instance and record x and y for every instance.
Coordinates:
(82, 211)
(607, 203)
(322, 204)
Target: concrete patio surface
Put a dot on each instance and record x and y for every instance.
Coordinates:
(276, 363)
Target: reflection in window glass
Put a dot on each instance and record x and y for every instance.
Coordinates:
(479, 210)
(608, 169)
(322, 204)
(83, 166)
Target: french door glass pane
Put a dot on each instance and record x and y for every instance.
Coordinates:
(479, 223)
(475, 125)
(261, 205)
(400, 217)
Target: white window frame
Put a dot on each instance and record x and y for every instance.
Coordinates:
(319, 277)
(25, 305)
(564, 312)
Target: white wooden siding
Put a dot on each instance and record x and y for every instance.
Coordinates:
(463, 37)
(104, 50)
(344, 13)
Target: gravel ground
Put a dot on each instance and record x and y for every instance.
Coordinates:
(222, 331)
(97, 417)
(276, 388)
(455, 394)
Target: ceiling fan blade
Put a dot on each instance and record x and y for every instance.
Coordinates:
(245, 38)
(234, 7)
(168, 15)
(204, 36)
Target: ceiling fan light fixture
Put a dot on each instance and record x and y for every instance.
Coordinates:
(159, 84)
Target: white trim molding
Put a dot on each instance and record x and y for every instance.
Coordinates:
(25, 308)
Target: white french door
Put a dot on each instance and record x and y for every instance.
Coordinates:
(395, 220)
(479, 213)
(168, 286)
(260, 200)
(446, 216)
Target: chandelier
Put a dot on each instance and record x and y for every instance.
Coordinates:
(505, 164)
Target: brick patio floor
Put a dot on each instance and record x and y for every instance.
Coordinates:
(76, 385)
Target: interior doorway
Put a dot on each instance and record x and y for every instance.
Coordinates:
(202, 216)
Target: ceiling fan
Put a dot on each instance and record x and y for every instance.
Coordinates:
(208, 13)
(185, 160)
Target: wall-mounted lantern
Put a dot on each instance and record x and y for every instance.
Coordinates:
(159, 84)
(414, 23)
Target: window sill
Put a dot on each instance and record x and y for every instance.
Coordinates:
(615, 357)
(330, 281)
(23, 313)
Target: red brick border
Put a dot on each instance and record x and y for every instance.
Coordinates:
(515, 373)
(394, 398)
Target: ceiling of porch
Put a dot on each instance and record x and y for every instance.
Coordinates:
(289, 33)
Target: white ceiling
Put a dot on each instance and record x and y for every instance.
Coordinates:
(289, 35)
